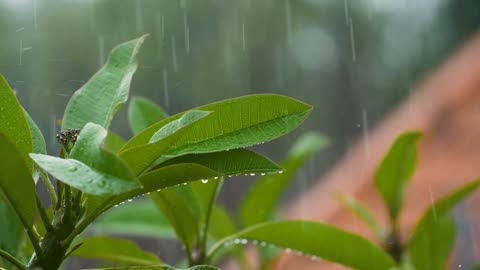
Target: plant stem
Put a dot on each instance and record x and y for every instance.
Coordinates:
(68, 202)
(9, 257)
(49, 186)
(43, 215)
(211, 204)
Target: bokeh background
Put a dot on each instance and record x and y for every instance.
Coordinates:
(354, 60)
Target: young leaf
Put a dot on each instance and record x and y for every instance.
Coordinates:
(263, 197)
(363, 214)
(235, 123)
(395, 170)
(38, 140)
(83, 177)
(315, 239)
(16, 182)
(179, 214)
(114, 250)
(13, 122)
(172, 127)
(236, 161)
(101, 97)
(434, 236)
(137, 218)
(143, 113)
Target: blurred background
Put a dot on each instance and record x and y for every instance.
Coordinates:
(354, 60)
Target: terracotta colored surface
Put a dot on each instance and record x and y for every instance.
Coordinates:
(446, 106)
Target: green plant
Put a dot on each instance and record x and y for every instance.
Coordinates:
(433, 237)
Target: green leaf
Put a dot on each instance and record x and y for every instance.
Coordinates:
(11, 230)
(38, 140)
(16, 181)
(221, 223)
(363, 214)
(179, 215)
(199, 267)
(90, 168)
(115, 250)
(113, 142)
(433, 238)
(262, 199)
(174, 126)
(395, 171)
(83, 177)
(315, 239)
(101, 97)
(137, 218)
(13, 122)
(234, 123)
(143, 113)
(233, 162)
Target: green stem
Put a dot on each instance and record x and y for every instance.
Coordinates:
(68, 202)
(43, 215)
(48, 184)
(9, 257)
(211, 204)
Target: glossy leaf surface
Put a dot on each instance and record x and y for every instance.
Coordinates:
(233, 123)
(315, 239)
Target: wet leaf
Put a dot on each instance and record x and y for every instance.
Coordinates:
(113, 142)
(395, 171)
(137, 218)
(143, 113)
(234, 123)
(315, 239)
(433, 238)
(101, 97)
(115, 250)
(263, 197)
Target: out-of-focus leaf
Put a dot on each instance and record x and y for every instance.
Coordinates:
(113, 142)
(179, 215)
(395, 171)
(143, 113)
(115, 250)
(363, 214)
(199, 267)
(315, 239)
(263, 197)
(221, 223)
(11, 230)
(236, 161)
(16, 182)
(137, 218)
(101, 97)
(234, 123)
(39, 145)
(82, 177)
(434, 236)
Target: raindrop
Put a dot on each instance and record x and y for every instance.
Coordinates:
(174, 55)
(186, 30)
(216, 177)
(244, 42)
(165, 86)
(204, 181)
(262, 174)
(130, 200)
(72, 169)
(101, 183)
(252, 174)
(352, 40)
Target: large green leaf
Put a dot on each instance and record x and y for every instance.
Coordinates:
(12, 232)
(395, 170)
(315, 239)
(143, 113)
(179, 215)
(83, 177)
(263, 197)
(434, 236)
(236, 161)
(101, 97)
(114, 250)
(234, 123)
(38, 140)
(113, 142)
(13, 122)
(138, 218)
(198, 267)
(16, 182)
(221, 223)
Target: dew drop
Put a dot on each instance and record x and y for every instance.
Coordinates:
(262, 174)
(130, 200)
(204, 181)
(252, 174)
(72, 169)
